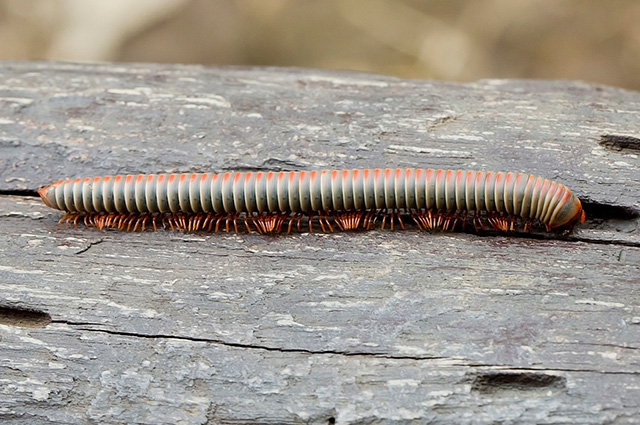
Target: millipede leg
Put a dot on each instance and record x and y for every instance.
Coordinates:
(310, 222)
(323, 215)
(440, 219)
(414, 217)
(107, 220)
(357, 219)
(231, 218)
(463, 219)
(446, 222)
(218, 221)
(340, 218)
(423, 219)
(296, 217)
(142, 221)
(136, 223)
(75, 220)
(211, 222)
(199, 220)
(128, 221)
(299, 222)
(399, 217)
(246, 222)
(456, 219)
(205, 220)
(281, 220)
(98, 221)
(366, 223)
(321, 223)
(478, 225)
(372, 217)
(169, 220)
(257, 222)
(88, 221)
(67, 218)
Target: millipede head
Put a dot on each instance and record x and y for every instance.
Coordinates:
(567, 213)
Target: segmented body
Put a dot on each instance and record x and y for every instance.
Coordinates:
(350, 198)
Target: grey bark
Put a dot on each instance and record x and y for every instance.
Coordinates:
(364, 327)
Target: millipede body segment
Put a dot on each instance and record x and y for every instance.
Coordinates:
(270, 202)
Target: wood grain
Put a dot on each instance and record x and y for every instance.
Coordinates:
(363, 327)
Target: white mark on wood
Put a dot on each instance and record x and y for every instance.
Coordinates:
(146, 313)
(410, 350)
(345, 304)
(440, 393)
(20, 271)
(403, 383)
(4, 121)
(85, 128)
(324, 277)
(430, 151)
(133, 104)
(34, 243)
(125, 91)
(468, 137)
(601, 303)
(41, 393)
(346, 81)
(19, 100)
(212, 100)
(30, 340)
(285, 320)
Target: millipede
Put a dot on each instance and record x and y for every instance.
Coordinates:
(273, 202)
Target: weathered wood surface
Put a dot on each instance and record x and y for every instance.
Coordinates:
(367, 327)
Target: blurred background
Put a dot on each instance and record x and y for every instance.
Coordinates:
(457, 40)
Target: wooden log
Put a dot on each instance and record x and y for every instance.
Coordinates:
(364, 327)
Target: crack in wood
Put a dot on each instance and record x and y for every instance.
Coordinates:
(23, 193)
(89, 245)
(599, 210)
(78, 325)
(457, 361)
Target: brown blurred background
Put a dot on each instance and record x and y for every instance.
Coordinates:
(462, 40)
